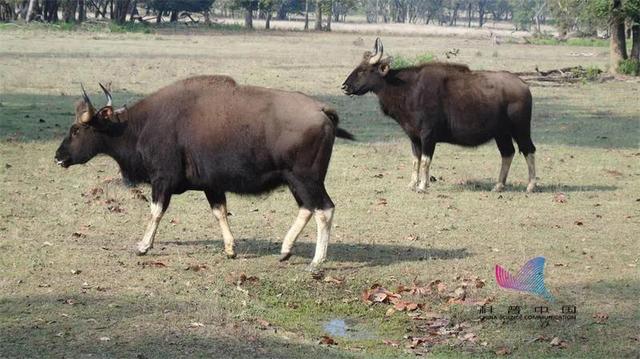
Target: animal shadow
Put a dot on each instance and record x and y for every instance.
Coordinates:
(372, 254)
(487, 186)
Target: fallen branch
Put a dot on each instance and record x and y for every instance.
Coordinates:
(563, 75)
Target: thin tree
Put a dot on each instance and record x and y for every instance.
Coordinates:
(318, 26)
(306, 14)
(329, 15)
(30, 10)
(635, 45)
(617, 45)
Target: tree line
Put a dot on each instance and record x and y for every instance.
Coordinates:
(617, 19)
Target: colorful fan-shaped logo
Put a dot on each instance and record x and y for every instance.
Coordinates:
(530, 278)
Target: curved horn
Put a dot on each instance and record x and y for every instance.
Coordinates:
(379, 52)
(106, 93)
(86, 98)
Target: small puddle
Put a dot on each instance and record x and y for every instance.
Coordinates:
(348, 329)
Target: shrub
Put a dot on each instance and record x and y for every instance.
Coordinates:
(400, 62)
(629, 67)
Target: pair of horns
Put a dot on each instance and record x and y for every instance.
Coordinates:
(86, 98)
(379, 51)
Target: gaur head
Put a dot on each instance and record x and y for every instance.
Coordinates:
(369, 75)
(87, 134)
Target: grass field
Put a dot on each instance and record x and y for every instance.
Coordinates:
(70, 284)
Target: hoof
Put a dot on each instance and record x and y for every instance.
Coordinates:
(231, 255)
(498, 188)
(421, 190)
(141, 252)
(316, 271)
(531, 188)
(314, 268)
(284, 257)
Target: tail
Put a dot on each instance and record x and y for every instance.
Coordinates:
(333, 116)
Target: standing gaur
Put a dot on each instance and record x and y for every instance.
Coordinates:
(441, 102)
(207, 133)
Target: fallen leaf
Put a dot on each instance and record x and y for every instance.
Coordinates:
(197, 267)
(326, 340)
(330, 279)
(400, 306)
(239, 278)
(105, 339)
(196, 325)
(560, 197)
(263, 323)
(614, 173)
(138, 194)
(393, 343)
(601, 317)
(459, 294)
(470, 337)
(156, 264)
(389, 312)
(378, 294)
(557, 342)
(503, 351)
(317, 274)
(78, 235)
(76, 271)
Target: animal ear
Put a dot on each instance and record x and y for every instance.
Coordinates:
(85, 117)
(106, 113)
(384, 68)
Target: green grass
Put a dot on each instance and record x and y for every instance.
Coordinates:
(127, 27)
(630, 67)
(51, 225)
(400, 61)
(584, 42)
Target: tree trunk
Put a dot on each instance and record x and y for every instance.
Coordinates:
(159, 17)
(82, 15)
(51, 10)
(268, 22)
(318, 26)
(104, 9)
(30, 10)
(207, 17)
(120, 11)
(452, 21)
(306, 14)
(635, 46)
(481, 5)
(174, 16)
(617, 44)
(134, 11)
(6, 11)
(329, 15)
(248, 18)
(68, 10)
(282, 11)
(469, 15)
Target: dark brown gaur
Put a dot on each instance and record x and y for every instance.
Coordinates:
(207, 133)
(443, 102)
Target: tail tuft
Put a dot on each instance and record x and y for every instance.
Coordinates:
(342, 133)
